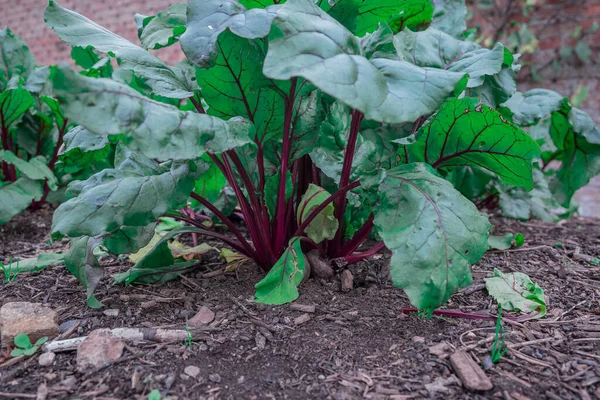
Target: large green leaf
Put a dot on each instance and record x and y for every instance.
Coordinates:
(306, 42)
(164, 29)
(466, 133)
(137, 192)
(471, 182)
(272, 191)
(499, 88)
(81, 261)
(158, 265)
(435, 234)
(158, 130)
(449, 16)
(35, 169)
(528, 108)
(207, 19)
(235, 86)
(579, 142)
(15, 197)
(15, 57)
(325, 225)
(436, 49)
(13, 104)
(77, 30)
(280, 286)
(83, 148)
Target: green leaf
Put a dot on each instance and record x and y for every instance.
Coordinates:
(579, 139)
(434, 233)
(158, 264)
(466, 133)
(15, 197)
(84, 149)
(158, 130)
(164, 29)
(516, 292)
(133, 194)
(528, 108)
(35, 169)
(449, 16)
(85, 57)
(41, 341)
(77, 30)
(207, 19)
(13, 103)
(15, 57)
(129, 239)
(506, 242)
(280, 286)
(22, 340)
(432, 48)
(17, 352)
(272, 190)
(325, 225)
(471, 182)
(210, 183)
(83, 264)
(306, 42)
(38, 81)
(35, 264)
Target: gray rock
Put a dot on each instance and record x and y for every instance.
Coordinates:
(471, 374)
(65, 326)
(98, 349)
(46, 359)
(32, 319)
(216, 378)
(204, 317)
(192, 370)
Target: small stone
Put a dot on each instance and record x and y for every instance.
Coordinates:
(204, 317)
(305, 308)
(261, 341)
(216, 378)
(471, 374)
(321, 377)
(184, 377)
(241, 380)
(32, 319)
(69, 381)
(112, 312)
(46, 359)
(50, 376)
(301, 319)
(98, 349)
(192, 371)
(442, 350)
(347, 280)
(42, 392)
(65, 326)
(418, 339)
(487, 362)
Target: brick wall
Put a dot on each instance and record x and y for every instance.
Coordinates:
(552, 21)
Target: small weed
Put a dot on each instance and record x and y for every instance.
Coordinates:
(155, 395)
(7, 271)
(24, 345)
(498, 347)
(188, 342)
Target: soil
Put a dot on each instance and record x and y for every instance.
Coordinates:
(355, 345)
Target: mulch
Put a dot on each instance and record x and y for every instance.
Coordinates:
(354, 345)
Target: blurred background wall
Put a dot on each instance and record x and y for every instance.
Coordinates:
(559, 41)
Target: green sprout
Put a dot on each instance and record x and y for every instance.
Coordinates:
(498, 347)
(7, 270)
(24, 345)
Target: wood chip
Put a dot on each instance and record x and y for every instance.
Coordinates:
(305, 308)
(347, 281)
(301, 319)
(471, 374)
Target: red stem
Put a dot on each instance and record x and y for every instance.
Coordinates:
(356, 257)
(340, 208)
(321, 207)
(359, 237)
(279, 239)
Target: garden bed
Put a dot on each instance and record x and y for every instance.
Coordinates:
(354, 345)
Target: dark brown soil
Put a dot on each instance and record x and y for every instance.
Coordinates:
(356, 344)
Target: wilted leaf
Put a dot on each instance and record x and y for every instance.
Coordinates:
(516, 292)
(324, 225)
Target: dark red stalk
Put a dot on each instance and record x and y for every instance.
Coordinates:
(52, 163)
(359, 237)
(340, 208)
(5, 166)
(341, 192)
(279, 238)
(356, 257)
(248, 249)
(216, 235)
(198, 105)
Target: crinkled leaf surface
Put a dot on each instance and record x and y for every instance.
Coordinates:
(280, 286)
(466, 133)
(164, 29)
(207, 19)
(581, 153)
(15, 57)
(77, 30)
(158, 130)
(325, 225)
(306, 42)
(13, 103)
(135, 193)
(81, 261)
(434, 233)
(450, 16)
(15, 197)
(84, 148)
(528, 108)
(516, 292)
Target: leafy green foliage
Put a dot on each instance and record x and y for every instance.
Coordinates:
(24, 346)
(506, 241)
(516, 292)
(164, 29)
(324, 225)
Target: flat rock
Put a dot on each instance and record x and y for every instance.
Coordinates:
(98, 349)
(470, 374)
(46, 359)
(442, 350)
(204, 317)
(32, 319)
(192, 370)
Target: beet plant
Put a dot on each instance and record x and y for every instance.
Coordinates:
(322, 125)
